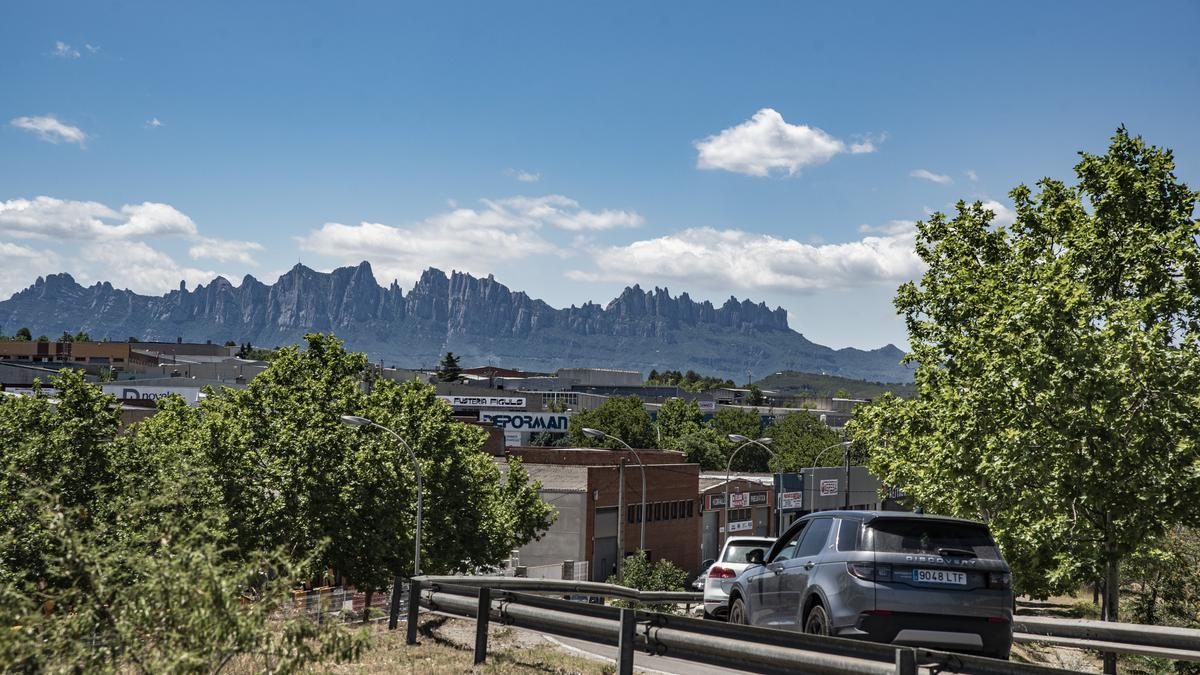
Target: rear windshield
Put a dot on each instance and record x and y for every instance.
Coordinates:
(932, 537)
(736, 553)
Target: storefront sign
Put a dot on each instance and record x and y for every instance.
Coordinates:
(741, 526)
(790, 490)
(484, 401)
(737, 500)
(791, 501)
(829, 487)
(552, 422)
(150, 394)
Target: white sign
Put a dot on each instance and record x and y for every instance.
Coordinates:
(512, 439)
(791, 500)
(741, 526)
(706, 406)
(28, 391)
(127, 392)
(484, 401)
(519, 421)
(829, 487)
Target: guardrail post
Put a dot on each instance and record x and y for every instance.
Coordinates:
(625, 642)
(394, 610)
(906, 662)
(414, 606)
(482, 617)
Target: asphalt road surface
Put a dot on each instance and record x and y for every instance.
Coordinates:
(642, 661)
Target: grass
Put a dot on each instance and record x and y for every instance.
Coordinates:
(447, 646)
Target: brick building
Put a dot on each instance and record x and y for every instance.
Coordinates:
(582, 484)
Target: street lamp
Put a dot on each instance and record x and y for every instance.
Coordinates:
(596, 433)
(744, 440)
(846, 446)
(356, 421)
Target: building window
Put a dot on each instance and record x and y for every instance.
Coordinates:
(691, 504)
(657, 510)
(629, 514)
(674, 509)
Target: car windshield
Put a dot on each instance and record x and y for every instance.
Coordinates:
(932, 537)
(736, 552)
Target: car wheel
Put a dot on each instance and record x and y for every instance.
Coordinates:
(737, 612)
(817, 621)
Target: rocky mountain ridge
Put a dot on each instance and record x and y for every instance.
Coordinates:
(479, 318)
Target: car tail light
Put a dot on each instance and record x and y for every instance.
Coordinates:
(999, 580)
(870, 571)
(721, 573)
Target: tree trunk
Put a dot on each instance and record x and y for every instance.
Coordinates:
(1112, 596)
(367, 605)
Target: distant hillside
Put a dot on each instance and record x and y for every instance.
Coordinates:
(810, 384)
(479, 319)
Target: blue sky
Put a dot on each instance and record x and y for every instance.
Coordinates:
(776, 151)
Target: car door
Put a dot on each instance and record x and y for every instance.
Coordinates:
(767, 601)
(793, 582)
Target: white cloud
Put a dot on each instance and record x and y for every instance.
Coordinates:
(891, 227)
(136, 266)
(472, 240)
(21, 265)
(65, 51)
(91, 48)
(971, 175)
(925, 174)
(766, 142)
(721, 259)
(1004, 215)
(47, 217)
(523, 176)
(49, 129)
(224, 250)
(153, 123)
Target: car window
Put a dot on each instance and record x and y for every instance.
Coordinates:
(788, 550)
(847, 538)
(921, 535)
(736, 552)
(815, 536)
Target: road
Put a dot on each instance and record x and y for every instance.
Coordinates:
(644, 662)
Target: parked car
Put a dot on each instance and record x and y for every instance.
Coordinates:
(728, 565)
(698, 582)
(886, 576)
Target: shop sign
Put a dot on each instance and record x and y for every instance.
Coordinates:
(553, 422)
(130, 393)
(484, 401)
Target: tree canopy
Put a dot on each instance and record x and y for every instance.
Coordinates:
(448, 369)
(1058, 366)
(624, 417)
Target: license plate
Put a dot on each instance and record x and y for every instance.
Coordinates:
(940, 577)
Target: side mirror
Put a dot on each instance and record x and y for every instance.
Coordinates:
(707, 564)
(755, 556)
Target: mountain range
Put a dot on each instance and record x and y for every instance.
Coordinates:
(477, 318)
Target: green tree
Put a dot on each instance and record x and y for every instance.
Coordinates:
(622, 416)
(675, 418)
(662, 575)
(23, 334)
(703, 446)
(171, 599)
(43, 338)
(755, 396)
(728, 421)
(798, 438)
(81, 336)
(59, 445)
(1058, 367)
(448, 369)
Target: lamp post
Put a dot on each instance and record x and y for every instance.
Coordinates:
(846, 451)
(596, 433)
(356, 421)
(744, 440)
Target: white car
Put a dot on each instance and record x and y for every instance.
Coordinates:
(728, 565)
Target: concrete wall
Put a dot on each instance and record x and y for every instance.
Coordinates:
(565, 538)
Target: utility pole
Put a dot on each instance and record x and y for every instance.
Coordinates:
(847, 449)
(621, 521)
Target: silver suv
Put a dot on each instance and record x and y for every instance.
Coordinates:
(887, 576)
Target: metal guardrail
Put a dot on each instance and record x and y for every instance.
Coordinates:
(746, 647)
(1182, 644)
